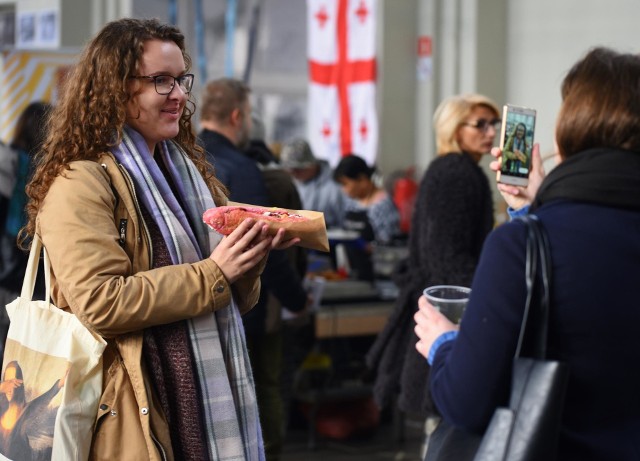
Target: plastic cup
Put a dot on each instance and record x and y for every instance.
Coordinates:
(450, 300)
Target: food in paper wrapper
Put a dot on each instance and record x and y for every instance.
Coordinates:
(307, 225)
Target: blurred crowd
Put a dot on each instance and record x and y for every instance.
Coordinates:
(420, 363)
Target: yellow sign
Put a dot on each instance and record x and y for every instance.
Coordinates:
(28, 76)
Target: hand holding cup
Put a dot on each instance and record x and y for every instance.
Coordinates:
(430, 324)
(450, 300)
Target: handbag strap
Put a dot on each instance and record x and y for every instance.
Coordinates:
(31, 272)
(535, 320)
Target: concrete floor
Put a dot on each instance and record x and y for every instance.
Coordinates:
(381, 445)
(337, 391)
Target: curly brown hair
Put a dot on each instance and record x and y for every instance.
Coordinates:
(90, 114)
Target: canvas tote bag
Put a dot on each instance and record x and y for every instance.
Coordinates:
(51, 377)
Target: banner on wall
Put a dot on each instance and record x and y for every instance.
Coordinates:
(27, 76)
(341, 52)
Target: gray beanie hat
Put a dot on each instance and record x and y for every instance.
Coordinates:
(297, 154)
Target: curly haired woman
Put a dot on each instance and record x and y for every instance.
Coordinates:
(515, 149)
(117, 200)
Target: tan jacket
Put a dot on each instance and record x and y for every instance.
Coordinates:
(100, 255)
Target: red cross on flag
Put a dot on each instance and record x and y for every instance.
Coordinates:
(342, 79)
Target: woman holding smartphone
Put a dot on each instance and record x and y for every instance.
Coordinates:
(589, 206)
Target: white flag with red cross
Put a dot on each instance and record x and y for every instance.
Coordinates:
(342, 79)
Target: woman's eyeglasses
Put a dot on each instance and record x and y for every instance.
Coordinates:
(484, 124)
(164, 83)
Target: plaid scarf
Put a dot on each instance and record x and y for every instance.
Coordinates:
(217, 340)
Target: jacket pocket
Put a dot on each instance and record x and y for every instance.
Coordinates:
(117, 432)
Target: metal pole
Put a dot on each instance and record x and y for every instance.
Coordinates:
(173, 12)
(253, 37)
(230, 28)
(199, 29)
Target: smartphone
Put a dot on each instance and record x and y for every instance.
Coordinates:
(516, 143)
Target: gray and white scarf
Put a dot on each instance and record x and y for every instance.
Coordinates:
(217, 340)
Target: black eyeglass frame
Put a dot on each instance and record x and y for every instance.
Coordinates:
(484, 124)
(190, 77)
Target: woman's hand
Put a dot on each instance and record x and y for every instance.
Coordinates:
(245, 247)
(430, 324)
(519, 196)
(520, 156)
(279, 243)
(9, 385)
(509, 155)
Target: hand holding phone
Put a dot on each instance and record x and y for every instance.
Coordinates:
(519, 196)
(516, 143)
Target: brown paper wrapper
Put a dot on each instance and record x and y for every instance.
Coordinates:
(312, 233)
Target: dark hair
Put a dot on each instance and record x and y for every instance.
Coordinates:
(600, 103)
(30, 129)
(352, 167)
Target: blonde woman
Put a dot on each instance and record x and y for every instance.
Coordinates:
(452, 217)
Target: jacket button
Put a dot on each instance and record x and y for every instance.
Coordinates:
(144, 410)
(104, 407)
(220, 288)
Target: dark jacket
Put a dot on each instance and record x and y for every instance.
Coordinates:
(452, 217)
(594, 318)
(243, 178)
(236, 171)
(282, 193)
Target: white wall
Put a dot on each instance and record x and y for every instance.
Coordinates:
(397, 26)
(468, 57)
(546, 37)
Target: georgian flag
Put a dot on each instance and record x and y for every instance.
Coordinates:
(342, 79)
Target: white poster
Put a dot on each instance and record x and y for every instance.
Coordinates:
(38, 29)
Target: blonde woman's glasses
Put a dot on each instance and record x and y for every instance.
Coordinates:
(484, 124)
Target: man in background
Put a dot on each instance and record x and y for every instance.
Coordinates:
(314, 179)
(226, 126)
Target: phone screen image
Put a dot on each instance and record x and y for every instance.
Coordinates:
(518, 125)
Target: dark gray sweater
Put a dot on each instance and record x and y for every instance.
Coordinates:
(453, 216)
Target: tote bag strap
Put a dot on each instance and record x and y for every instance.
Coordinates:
(535, 323)
(31, 272)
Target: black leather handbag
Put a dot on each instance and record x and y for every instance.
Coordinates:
(528, 428)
